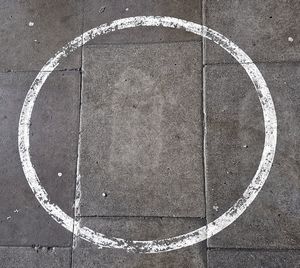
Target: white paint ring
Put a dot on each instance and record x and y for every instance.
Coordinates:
(176, 242)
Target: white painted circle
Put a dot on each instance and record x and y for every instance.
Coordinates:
(176, 242)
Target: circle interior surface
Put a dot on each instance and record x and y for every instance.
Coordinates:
(172, 243)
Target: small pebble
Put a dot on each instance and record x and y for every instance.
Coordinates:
(59, 174)
(290, 39)
(9, 217)
(126, 9)
(31, 24)
(245, 146)
(216, 208)
(104, 194)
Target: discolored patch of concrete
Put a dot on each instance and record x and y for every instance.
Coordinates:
(141, 136)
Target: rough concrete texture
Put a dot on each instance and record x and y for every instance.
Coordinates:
(54, 145)
(99, 12)
(141, 131)
(266, 30)
(234, 144)
(34, 257)
(32, 31)
(86, 255)
(253, 259)
(137, 95)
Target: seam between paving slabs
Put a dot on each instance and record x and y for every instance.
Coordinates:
(138, 216)
(39, 71)
(255, 62)
(203, 47)
(142, 43)
(204, 112)
(33, 246)
(77, 176)
(203, 3)
(254, 249)
(203, 51)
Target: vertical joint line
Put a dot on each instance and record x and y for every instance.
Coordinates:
(203, 2)
(77, 190)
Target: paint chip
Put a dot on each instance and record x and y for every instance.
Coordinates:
(290, 39)
(16, 211)
(31, 24)
(59, 174)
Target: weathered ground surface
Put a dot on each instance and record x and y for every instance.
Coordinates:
(164, 128)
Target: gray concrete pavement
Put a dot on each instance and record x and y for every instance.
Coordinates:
(34, 257)
(165, 135)
(140, 228)
(148, 136)
(31, 31)
(98, 12)
(266, 30)
(54, 135)
(253, 258)
(237, 130)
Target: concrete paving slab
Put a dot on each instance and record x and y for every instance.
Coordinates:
(266, 30)
(99, 12)
(141, 145)
(86, 255)
(252, 258)
(235, 136)
(34, 258)
(53, 137)
(33, 31)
